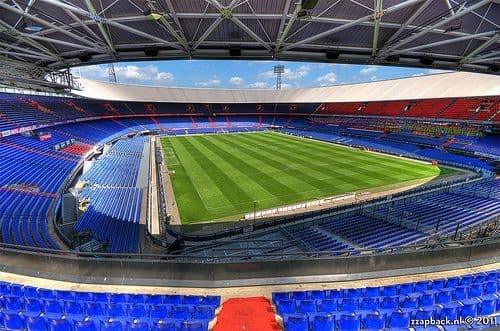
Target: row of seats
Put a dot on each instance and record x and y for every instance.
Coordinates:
(39, 309)
(391, 307)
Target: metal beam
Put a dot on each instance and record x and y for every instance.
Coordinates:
(103, 31)
(377, 16)
(485, 56)
(97, 18)
(28, 55)
(351, 24)
(27, 50)
(283, 19)
(406, 24)
(174, 16)
(27, 39)
(50, 25)
(249, 16)
(444, 42)
(207, 32)
(239, 23)
(288, 27)
(487, 43)
(434, 26)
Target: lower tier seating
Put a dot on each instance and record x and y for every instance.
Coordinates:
(40, 309)
(394, 307)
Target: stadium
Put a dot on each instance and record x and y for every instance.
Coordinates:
(360, 206)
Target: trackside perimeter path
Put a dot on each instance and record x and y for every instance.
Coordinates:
(219, 176)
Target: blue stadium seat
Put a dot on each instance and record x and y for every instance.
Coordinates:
(163, 326)
(349, 304)
(298, 295)
(488, 305)
(192, 326)
(111, 326)
(12, 320)
(307, 306)
(374, 322)
(158, 311)
(297, 323)
(399, 320)
(327, 305)
(137, 326)
(94, 309)
(172, 299)
(323, 323)
(115, 310)
(61, 324)
(351, 322)
(36, 323)
(371, 292)
(180, 312)
(353, 293)
(286, 307)
(203, 313)
(191, 300)
(369, 303)
(316, 295)
(137, 311)
(85, 326)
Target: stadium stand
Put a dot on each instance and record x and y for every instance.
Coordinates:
(393, 307)
(42, 309)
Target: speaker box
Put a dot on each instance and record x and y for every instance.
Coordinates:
(151, 51)
(427, 60)
(309, 4)
(332, 54)
(85, 57)
(234, 50)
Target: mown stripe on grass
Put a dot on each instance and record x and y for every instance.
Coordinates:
(233, 193)
(253, 173)
(414, 168)
(205, 186)
(314, 174)
(237, 171)
(359, 172)
(386, 164)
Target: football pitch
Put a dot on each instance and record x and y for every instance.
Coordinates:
(217, 177)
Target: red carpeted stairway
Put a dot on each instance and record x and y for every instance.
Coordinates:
(248, 314)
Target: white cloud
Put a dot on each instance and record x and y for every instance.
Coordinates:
(367, 71)
(373, 78)
(327, 80)
(289, 74)
(164, 77)
(236, 81)
(128, 73)
(209, 83)
(286, 86)
(259, 85)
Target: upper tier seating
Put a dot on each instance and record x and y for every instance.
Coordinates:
(41, 309)
(393, 307)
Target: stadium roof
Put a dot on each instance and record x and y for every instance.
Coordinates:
(447, 85)
(39, 36)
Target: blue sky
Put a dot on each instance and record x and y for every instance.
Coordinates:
(245, 74)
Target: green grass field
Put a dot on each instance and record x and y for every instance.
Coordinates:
(219, 176)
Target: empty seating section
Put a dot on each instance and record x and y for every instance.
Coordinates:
(407, 144)
(427, 108)
(114, 199)
(113, 217)
(402, 222)
(461, 109)
(23, 219)
(31, 176)
(479, 109)
(393, 307)
(40, 309)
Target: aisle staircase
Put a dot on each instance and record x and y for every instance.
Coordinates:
(249, 314)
